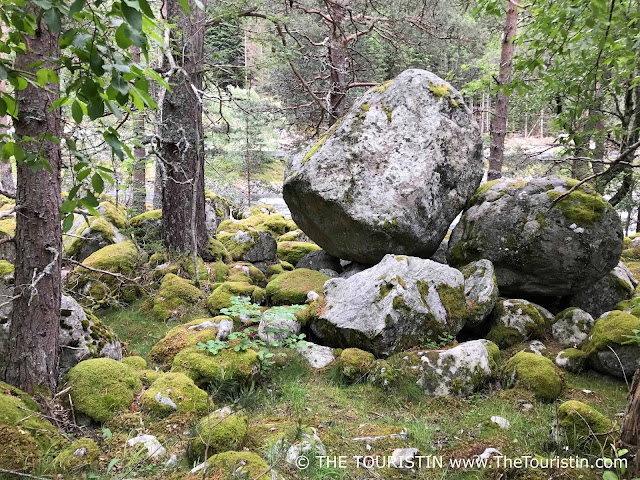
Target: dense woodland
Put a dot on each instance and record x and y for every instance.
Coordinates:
(238, 236)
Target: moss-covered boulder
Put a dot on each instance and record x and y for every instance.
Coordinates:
(217, 251)
(175, 297)
(135, 362)
(583, 428)
(221, 296)
(233, 464)
(146, 228)
(219, 432)
(6, 270)
(608, 347)
(250, 246)
(113, 212)
(246, 272)
(293, 252)
(187, 335)
(81, 456)
(19, 452)
(216, 210)
(571, 360)
(97, 288)
(355, 364)
(481, 291)
(296, 235)
(542, 240)
(515, 321)
(535, 373)
(203, 368)
(571, 327)
(91, 237)
(290, 288)
(102, 387)
(173, 392)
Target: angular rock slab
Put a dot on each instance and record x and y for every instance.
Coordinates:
(391, 175)
(539, 248)
(391, 306)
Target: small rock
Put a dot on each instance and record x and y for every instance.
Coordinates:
(318, 356)
(151, 443)
(171, 463)
(501, 422)
(403, 458)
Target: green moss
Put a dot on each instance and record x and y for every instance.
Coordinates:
(7, 227)
(115, 215)
(535, 373)
(238, 249)
(180, 389)
(505, 336)
(238, 465)
(575, 359)
(495, 358)
(440, 91)
(583, 206)
(204, 368)
(67, 462)
(611, 331)
(6, 268)
(256, 277)
(150, 215)
(19, 451)
(454, 302)
(174, 297)
(219, 271)
(482, 190)
(101, 387)
(276, 225)
(293, 252)
(584, 428)
(231, 226)
(135, 362)
(275, 269)
(181, 337)
(10, 390)
(354, 363)
(388, 111)
(290, 288)
(314, 148)
(291, 236)
(542, 221)
(383, 88)
(221, 296)
(219, 433)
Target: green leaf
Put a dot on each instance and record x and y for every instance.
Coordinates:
(120, 84)
(76, 111)
(609, 476)
(3, 108)
(97, 183)
(185, 6)
(95, 109)
(76, 7)
(122, 39)
(83, 174)
(97, 63)
(67, 223)
(133, 16)
(44, 4)
(146, 9)
(52, 17)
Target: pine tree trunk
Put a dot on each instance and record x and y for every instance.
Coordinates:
(630, 431)
(338, 63)
(182, 135)
(32, 359)
(139, 167)
(499, 122)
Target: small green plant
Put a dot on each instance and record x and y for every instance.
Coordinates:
(242, 306)
(213, 346)
(444, 339)
(635, 338)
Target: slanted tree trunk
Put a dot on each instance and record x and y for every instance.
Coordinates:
(499, 121)
(339, 62)
(182, 136)
(32, 358)
(630, 431)
(139, 167)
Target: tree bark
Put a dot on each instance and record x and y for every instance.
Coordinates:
(630, 431)
(338, 62)
(32, 359)
(139, 166)
(6, 174)
(182, 135)
(499, 121)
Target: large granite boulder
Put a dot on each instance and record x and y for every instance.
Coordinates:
(539, 248)
(391, 306)
(391, 175)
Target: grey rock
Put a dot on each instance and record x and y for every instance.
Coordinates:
(622, 362)
(318, 356)
(441, 254)
(224, 326)
(392, 175)
(571, 327)
(616, 286)
(481, 290)
(166, 401)
(216, 210)
(264, 246)
(171, 463)
(151, 443)
(538, 248)
(320, 260)
(516, 320)
(389, 307)
(404, 458)
(501, 422)
(571, 359)
(92, 241)
(276, 328)
(535, 346)
(307, 443)
(351, 268)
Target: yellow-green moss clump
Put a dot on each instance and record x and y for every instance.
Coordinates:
(95, 225)
(221, 296)
(119, 258)
(238, 245)
(583, 428)
(135, 362)
(81, 456)
(175, 296)
(221, 431)
(611, 330)
(247, 272)
(181, 337)
(293, 252)
(19, 452)
(217, 251)
(231, 226)
(102, 387)
(6, 268)
(584, 206)
(504, 336)
(138, 220)
(572, 360)
(535, 373)
(173, 392)
(115, 215)
(238, 465)
(228, 364)
(275, 224)
(355, 364)
(292, 236)
(290, 288)
(7, 227)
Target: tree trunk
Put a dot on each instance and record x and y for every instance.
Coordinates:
(6, 173)
(139, 166)
(182, 136)
(499, 122)
(32, 359)
(630, 431)
(338, 63)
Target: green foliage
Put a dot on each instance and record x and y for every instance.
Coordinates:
(241, 306)
(444, 339)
